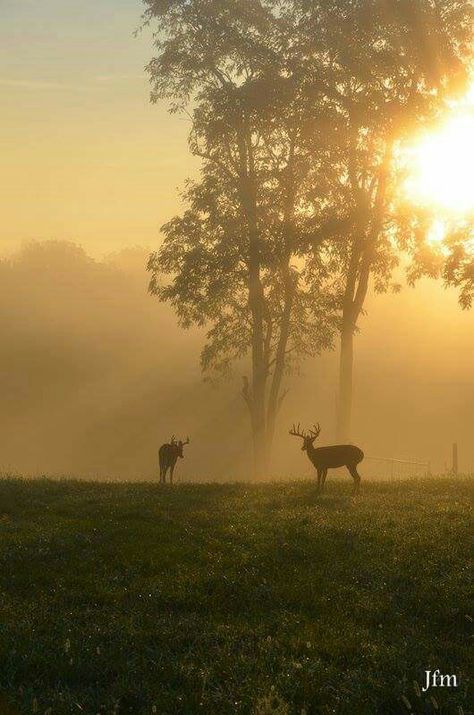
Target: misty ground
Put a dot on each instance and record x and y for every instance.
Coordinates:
(95, 375)
(233, 598)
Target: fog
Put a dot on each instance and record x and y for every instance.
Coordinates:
(96, 375)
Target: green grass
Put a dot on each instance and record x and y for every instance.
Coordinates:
(233, 598)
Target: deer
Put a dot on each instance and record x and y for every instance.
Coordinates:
(324, 458)
(168, 456)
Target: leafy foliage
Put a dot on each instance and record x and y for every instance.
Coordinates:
(205, 254)
(298, 107)
(451, 258)
(459, 267)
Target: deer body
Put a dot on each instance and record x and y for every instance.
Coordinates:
(168, 456)
(324, 458)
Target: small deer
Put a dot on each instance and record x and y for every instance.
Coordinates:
(168, 455)
(324, 458)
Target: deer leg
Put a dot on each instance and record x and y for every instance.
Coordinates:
(171, 473)
(319, 479)
(323, 481)
(356, 477)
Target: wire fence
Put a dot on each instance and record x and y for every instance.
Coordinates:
(389, 468)
(371, 468)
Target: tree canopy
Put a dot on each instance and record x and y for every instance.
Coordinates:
(296, 109)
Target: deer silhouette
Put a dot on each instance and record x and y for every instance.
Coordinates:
(324, 458)
(168, 456)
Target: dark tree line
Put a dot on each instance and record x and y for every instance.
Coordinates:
(297, 109)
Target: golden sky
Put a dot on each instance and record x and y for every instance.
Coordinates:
(86, 157)
(84, 154)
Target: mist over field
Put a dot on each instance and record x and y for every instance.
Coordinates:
(96, 375)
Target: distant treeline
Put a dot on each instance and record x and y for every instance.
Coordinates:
(94, 374)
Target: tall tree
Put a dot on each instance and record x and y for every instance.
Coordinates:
(389, 68)
(236, 256)
(297, 108)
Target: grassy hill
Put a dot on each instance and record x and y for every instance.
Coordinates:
(120, 598)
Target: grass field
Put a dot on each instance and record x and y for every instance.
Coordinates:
(133, 598)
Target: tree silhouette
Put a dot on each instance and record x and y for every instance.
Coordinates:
(451, 259)
(208, 256)
(459, 269)
(389, 68)
(237, 255)
(297, 109)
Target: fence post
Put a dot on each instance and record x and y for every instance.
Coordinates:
(455, 459)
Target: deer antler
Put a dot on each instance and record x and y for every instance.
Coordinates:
(187, 441)
(173, 439)
(315, 432)
(296, 431)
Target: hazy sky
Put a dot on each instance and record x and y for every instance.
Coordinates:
(84, 154)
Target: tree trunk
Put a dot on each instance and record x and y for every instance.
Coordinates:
(346, 363)
(260, 451)
(256, 400)
(276, 396)
(357, 283)
(259, 368)
(357, 286)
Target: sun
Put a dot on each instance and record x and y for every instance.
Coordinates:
(441, 163)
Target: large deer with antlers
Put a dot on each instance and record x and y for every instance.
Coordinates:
(168, 455)
(324, 458)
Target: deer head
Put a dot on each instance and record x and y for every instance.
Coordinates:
(307, 437)
(180, 446)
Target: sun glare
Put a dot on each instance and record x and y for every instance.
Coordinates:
(442, 163)
(437, 232)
